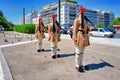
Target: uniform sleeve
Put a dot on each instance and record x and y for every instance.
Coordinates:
(49, 30)
(75, 25)
(36, 29)
(91, 28)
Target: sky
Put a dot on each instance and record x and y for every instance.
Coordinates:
(13, 9)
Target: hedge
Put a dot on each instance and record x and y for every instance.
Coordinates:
(27, 28)
(8, 29)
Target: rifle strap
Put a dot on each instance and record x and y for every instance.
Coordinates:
(54, 29)
(82, 21)
(39, 27)
(88, 20)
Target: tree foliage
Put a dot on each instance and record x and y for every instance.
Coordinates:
(4, 22)
(115, 22)
(100, 25)
(1, 14)
(70, 1)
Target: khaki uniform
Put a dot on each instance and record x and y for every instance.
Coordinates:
(82, 39)
(54, 38)
(39, 35)
(80, 35)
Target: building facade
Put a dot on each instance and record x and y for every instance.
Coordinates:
(105, 17)
(92, 15)
(70, 11)
(29, 18)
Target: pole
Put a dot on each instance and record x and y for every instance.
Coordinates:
(23, 15)
(59, 10)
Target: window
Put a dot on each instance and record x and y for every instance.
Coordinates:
(95, 30)
(101, 30)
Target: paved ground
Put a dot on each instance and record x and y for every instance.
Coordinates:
(14, 37)
(26, 63)
(1, 72)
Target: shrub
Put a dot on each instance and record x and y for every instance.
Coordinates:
(27, 28)
(8, 29)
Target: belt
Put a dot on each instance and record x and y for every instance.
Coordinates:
(83, 32)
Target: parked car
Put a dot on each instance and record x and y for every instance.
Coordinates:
(1, 28)
(64, 31)
(110, 29)
(101, 32)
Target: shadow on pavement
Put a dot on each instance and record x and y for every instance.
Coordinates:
(99, 65)
(49, 50)
(66, 55)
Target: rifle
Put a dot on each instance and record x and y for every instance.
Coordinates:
(88, 21)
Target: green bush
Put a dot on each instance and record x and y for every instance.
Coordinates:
(8, 29)
(27, 28)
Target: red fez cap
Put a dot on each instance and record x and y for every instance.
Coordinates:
(40, 19)
(54, 16)
(82, 9)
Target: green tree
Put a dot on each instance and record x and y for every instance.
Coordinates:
(1, 14)
(115, 22)
(4, 22)
(70, 1)
(99, 25)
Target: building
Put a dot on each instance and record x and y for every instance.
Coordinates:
(47, 12)
(92, 15)
(29, 18)
(99, 16)
(105, 17)
(69, 11)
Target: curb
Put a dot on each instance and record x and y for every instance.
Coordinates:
(6, 70)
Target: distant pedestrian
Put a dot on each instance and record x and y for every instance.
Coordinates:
(54, 36)
(70, 32)
(39, 33)
(1, 29)
(81, 39)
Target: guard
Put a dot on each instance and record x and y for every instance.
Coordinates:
(39, 33)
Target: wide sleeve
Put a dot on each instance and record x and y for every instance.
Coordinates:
(36, 29)
(75, 29)
(92, 28)
(49, 30)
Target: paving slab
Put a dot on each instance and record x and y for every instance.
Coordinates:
(26, 63)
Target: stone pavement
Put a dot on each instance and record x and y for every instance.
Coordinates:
(26, 63)
(1, 72)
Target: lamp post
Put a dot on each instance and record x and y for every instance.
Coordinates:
(59, 10)
(23, 15)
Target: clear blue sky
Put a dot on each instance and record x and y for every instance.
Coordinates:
(12, 9)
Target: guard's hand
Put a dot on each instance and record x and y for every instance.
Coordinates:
(48, 38)
(60, 31)
(75, 42)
